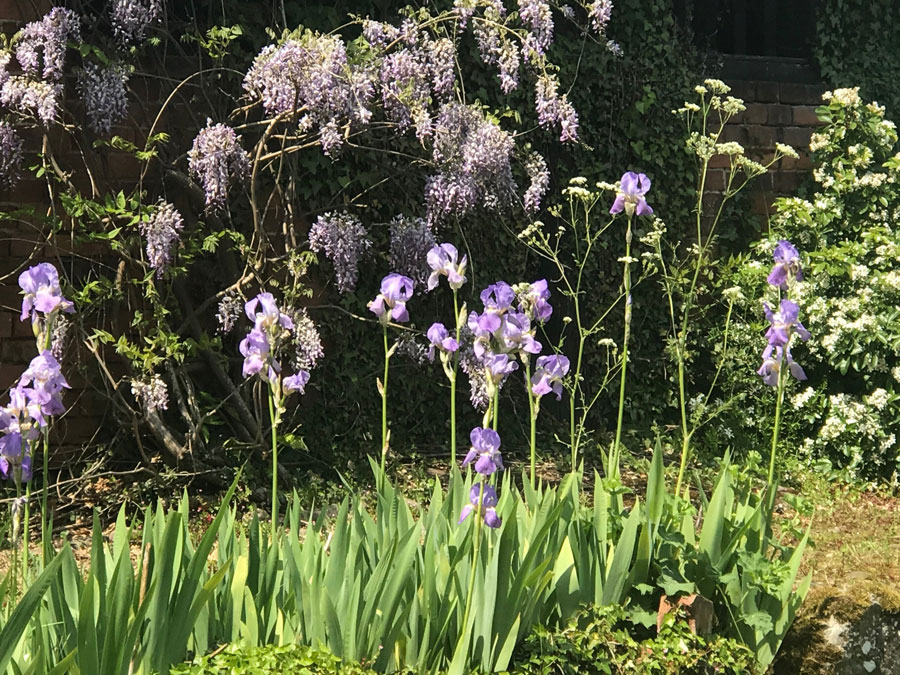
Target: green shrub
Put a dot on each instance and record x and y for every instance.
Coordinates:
(271, 660)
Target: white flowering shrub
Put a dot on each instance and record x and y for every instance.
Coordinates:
(846, 414)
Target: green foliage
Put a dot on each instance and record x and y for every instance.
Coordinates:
(844, 416)
(601, 641)
(856, 45)
(271, 660)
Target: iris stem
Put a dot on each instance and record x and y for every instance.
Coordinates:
(273, 417)
(613, 468)
(496, 407)
(779, 399)
(26, 534)
(475, 550)
(532, 416)
(453, 379)
(384, 385)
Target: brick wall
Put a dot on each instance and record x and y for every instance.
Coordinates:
(777, 112)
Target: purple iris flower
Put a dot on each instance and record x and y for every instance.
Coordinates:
(485, 451)
(441, 340)
(498, 298)
(787, 265)
(444, 261)
(25, 415)
(487, 495)
(517, 334)
(548, 375)
(396, 290)
(534, 301)
(264, 313)
(784, 323)
(296, 382)
(498, 366)
(14, 457)
(630, 199)
(255, 350)
(47, 383)
(773, 356)
(40, 285)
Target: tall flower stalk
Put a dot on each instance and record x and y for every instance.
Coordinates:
(270, 329)
(396, 290)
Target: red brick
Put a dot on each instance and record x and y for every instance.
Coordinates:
(787, 182)
(22, 329)
(736, 133)
(17, 351)
(20, 11)
(804, 161)
(719, 162)
(761, 203)
(715, 180)
(759, 136)
(779, 115)
(805, 116)
(767, 92)
(756, 113)
(6, 324)
(743, 89)
(797, 137)
(801, 94)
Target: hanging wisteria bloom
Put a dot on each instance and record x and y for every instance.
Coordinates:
(536, 15)
(600, 12)
(396, 290)
(217, 159)
(631, 197)
(11, 146)
(411, 241)
(344, 240)
(473, 155)
(161, 232)
(773, 358)
(444, 261)
(32, 97)
(554, 110)
(104, 92)
(441, 340)
(539, 175)
(484, 451)
(784, 324)
(48, 38)
(534, 300)
(306, 343)
(40, 286)
(131, 19)
(229, 311)
(549, 374)
(787, 265)
(153, 393)
(487, 496)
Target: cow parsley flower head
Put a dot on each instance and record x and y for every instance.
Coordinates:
(131, 19)
(104, 91)
(344, 240)
(217, 159)
(11, 146)
(161, 233)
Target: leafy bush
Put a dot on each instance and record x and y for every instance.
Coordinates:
(845, 415)
(600, 641)
(270, 660)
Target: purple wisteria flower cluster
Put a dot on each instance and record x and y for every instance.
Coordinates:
(473, 157)
(153, 393)
(310, 77)
(344, 240)
(41, 53)
(260, 345)
(37, 395)
(161, 232)
(217, 159)
(554, 109)
(411, 241)
(131, 19)
(11, 146)
(784, 324)
(104, 92)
